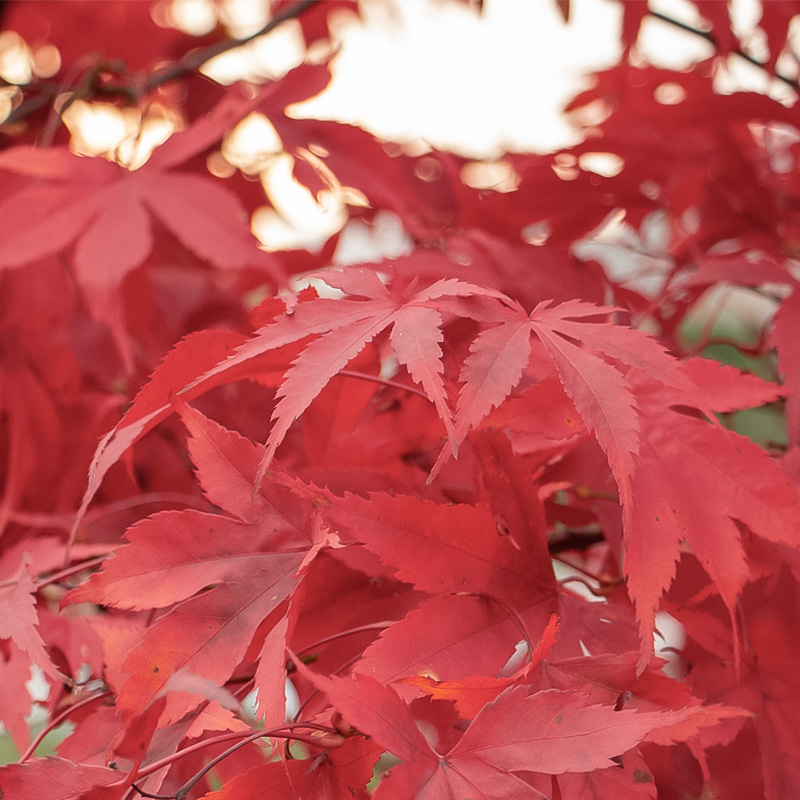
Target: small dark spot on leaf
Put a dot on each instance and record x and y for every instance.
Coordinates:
(155, 669)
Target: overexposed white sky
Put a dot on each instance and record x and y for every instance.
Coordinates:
(478, 84)
(481, 84)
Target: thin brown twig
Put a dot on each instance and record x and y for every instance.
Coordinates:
(191, 62)
(138, 85)
(709, 37)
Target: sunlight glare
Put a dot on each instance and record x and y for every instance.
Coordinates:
(297, 219)
(96, 128)
(121, 135)
(266, 57)
(605, 164)
(8, 94)
(195, 17)
(134, 151)
(243, 18)
(475, 84)
(16, 60)
(497, 176)
(46, 61)
(252, 144)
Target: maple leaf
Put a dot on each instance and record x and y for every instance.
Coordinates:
(549, 732)
(767, 684)
(343, 328)
(471, 694)
(726, 388)
(335, 774)
(57, 778)
(631, 778)
(106, 210)
(598, 388)
(462, 636)
(193, 354)
(693, 482)
(252, 563)
(20, 618)
(441, 549)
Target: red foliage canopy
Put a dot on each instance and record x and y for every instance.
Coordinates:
(488, 466)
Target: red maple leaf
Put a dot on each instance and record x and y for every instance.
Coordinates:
(252, 560)
(107, 211)
(597, 387)
(693, 482)
(345, 326)
(339, 773)
(521, 731)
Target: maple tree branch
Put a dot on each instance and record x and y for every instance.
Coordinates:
(572, 539)
(192, 62)
(90, 86)
(56, 721)
(709, 37)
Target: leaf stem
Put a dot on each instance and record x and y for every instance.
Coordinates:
(373, 626)
(57, 576)
(65, 573)
(348, 373)
(282, 732)
(513, 615)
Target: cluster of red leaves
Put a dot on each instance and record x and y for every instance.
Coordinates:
(440, 436)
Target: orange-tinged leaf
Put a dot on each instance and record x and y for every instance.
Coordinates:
(548, 732)
(471, 694)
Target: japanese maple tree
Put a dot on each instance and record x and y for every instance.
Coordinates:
(277, 524)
